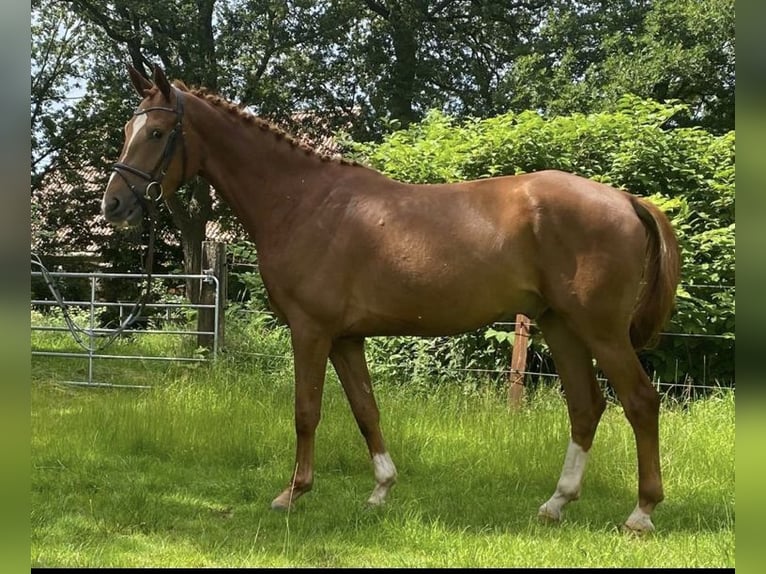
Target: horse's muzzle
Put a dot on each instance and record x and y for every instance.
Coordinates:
(122, 213)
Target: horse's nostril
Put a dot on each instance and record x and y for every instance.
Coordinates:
(111, 204)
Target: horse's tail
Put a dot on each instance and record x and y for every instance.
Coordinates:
(662, 273)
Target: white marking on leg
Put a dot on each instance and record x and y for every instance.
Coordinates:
(385, 476)
(568, 487)
(639, 521)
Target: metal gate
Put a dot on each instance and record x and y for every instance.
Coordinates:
(93, 332)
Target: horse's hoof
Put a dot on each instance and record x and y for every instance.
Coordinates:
(281, 503)
(548, 515)
(375, 502)
(376, 499)
(639, 522)
(638, 529)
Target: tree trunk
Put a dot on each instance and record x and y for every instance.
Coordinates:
(191, 243)
(403, 24)
(192, 222)
(403, 21)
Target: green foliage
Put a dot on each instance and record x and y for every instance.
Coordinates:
(688, 172)
(595, 52)
(244, 281)
(420, 363)
(362, 65)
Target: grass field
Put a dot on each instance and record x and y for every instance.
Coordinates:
(182, 475)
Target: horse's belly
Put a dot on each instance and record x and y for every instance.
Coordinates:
(440, 311)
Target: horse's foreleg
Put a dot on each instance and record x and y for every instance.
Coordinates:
(585, 403)
(310, 352)
(347, 356)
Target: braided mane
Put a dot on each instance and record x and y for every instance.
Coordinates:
(260, 123)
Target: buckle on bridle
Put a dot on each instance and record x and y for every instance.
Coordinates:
(148, 195)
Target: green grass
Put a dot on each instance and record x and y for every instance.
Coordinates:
(182, 475)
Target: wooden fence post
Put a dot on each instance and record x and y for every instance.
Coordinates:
(214, 261)
(518, 362)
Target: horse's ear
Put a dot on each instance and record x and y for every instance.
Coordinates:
(162, 82)
(140, 83)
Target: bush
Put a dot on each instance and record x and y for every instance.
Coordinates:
(688, 172)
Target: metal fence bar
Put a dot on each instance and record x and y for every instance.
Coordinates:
(127, 331)
(51, 302)
(92, 354)
(91, 334)
(100, 275)
(110, 385)
(67, 354)
(216, 323)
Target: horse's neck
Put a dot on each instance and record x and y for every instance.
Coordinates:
(261, 176)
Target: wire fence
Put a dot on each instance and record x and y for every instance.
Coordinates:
(660, 385)
(680, 385)
(680, 382)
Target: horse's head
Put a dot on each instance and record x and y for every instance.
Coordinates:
(153, 161)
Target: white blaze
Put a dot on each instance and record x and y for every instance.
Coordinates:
(103, 199)
(136, 124)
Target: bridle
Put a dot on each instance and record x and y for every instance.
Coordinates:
(148, 204)
(155, 177)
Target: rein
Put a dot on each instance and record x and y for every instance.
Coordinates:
(132, 317)
(148, 203)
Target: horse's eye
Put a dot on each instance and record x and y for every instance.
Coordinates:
(156, 134)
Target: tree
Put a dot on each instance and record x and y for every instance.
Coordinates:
(71, 130)
(589, 54)
(446, 54)
(58, 37)
(362, 66)
(180, 36)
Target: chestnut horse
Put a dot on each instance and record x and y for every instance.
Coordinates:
(347, 253)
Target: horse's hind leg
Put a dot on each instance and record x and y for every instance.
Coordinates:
(641, 403)
(347, 356)
(585, 403)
